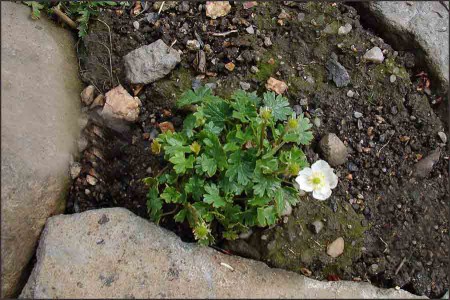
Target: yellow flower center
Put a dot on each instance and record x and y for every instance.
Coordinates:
(317, 179)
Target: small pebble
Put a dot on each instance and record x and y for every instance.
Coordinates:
(316, 226)
(267, 42)
(350, 93)
(298, 110)
(352, 167)
(344, 29)
(357, 114)
(136, 25)
(392, 78)
(87, 191)
(304, 101)
(442, 136)
(245, 85)
(254, 69)
(250, 30)
(91, 180)
(394, 110)
(264, 237)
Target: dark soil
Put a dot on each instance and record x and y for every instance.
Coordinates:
(405, 218)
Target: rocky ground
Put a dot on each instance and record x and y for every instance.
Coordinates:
(389, 213)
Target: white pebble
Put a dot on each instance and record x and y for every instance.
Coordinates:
(136, 25)
(350, 93)
(443, 137)
(392, 78)
(250, 29)
(357, 114)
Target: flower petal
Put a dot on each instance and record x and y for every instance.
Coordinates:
(323, 193)
(303, 180)
(331, 178)
(320, 165)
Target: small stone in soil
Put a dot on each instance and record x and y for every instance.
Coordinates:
(316, 226)
(423, 168)
(344, 29)
(352, 167)
(230, 66)
(267, 41)
(211, 85)
(91, 180)
(250, 30)
(336, 248)
(333, 149)
(244, 85)
(136, 25)
(193, 45)
(304, 101)
(298, 109)
(216, 9)
(82, 143)
(121, 105)
(98, 101)
(394, 110)
(350, 93)
(196, 83)
(442, 136)
(87, 95)
(374, 55)
(276, 85)
(357, 114)
(254, 69)
(149, 170)
(337, 72)
(75, 169)
(249, 4)
(392, 78)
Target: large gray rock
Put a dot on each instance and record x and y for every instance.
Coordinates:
(40, 106)
(112, 253)
(420, 26)
(150, 63)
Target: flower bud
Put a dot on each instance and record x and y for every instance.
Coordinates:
(265, 113)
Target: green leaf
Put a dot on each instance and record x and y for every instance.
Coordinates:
(279, 106)
(181, 164)
(302, 134)
(294, 159)
(194, 186)
(217, 112)
(180, 216)
(241, 166)
(173, 143)
(265, 184)
(171, 195)
(189, 124)
(35, 9)
(154, 204)
(213, 197)
(267, 165)
(202, 94)
(230, 147)
(266, 216)
(259, 201)
(211, 127)
(244, 107)
(230, 187)
(214, 149)
(280, 202)
(208, 165)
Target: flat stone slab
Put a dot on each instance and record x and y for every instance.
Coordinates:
(40, 106)
(418, 26)
(112, 253)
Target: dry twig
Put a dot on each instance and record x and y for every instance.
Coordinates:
(65, 18)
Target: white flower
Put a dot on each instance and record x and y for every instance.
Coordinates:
(318, 179)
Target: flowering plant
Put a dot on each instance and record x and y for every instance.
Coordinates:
(319, 179)
(231, 165)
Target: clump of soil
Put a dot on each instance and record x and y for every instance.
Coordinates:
(400, 233)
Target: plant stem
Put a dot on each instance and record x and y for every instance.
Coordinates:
(169, 212)
(261, 140)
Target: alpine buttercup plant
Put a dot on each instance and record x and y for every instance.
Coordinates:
(232, 166)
